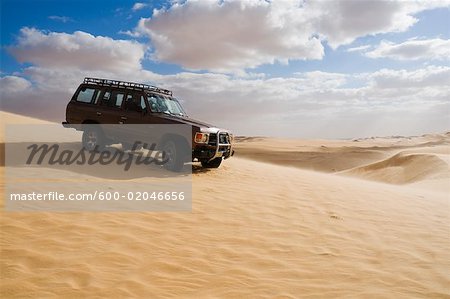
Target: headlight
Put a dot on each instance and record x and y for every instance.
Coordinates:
(201, 137)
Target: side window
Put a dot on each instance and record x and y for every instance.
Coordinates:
(129, 98)
(143, 106)
(85, 95)
(113, 99)
(105, 97)
(97, 96)
(152, 101)
(117, 99)
(135, 102)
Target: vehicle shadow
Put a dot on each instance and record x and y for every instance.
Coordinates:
(197, 169)
(68, 157)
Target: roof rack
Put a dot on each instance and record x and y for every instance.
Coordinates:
(124, 84)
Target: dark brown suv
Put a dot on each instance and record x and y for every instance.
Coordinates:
(104, 101)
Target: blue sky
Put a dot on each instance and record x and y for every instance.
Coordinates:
(252, 49)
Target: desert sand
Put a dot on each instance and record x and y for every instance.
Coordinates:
(282, 219)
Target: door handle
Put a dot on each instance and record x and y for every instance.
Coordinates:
(99, 113)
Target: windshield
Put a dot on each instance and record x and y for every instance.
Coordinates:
(163, 104)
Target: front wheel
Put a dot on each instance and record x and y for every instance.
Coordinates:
(214, 163)
(172, 154)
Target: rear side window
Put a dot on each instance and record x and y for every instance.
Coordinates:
(97, 96)
(118, 98)
(143, 106)
(105, 98)
(113, 99)
(85, 95)
(135, 102)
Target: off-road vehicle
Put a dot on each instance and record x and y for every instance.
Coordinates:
(104, 101)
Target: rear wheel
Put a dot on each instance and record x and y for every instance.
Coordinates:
(214, 163)
(93, 139)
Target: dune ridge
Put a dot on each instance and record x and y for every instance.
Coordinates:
(421, 160)
(404, 168)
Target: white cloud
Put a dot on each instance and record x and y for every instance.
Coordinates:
(431, 76)
(308, 104)
(311, 104)
(341, 22)
(79, 49)
(427, 49)
(60, 61)
(13, 84)
(138, 6)
(233, 35)
(359, 49)
(62, 19)
(321, 80)
(130, 33)
(318, 104)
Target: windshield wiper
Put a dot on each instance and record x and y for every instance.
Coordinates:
(171, 113)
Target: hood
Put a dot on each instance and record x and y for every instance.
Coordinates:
(204, 127)
(187, 121)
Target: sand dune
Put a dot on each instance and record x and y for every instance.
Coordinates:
(422, 160)
(256, 230)
(404, 168)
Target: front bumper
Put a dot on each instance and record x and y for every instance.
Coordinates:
(220, 146)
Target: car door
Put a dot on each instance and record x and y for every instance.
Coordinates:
(109, 111)
(134, 117)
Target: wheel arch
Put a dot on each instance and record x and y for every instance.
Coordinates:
(178, 139)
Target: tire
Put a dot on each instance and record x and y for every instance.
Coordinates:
(173, 153)
(215, 163)
(93, 139)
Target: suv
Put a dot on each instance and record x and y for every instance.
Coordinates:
(104, 101)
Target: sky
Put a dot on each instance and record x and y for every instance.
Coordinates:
(301, 69)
